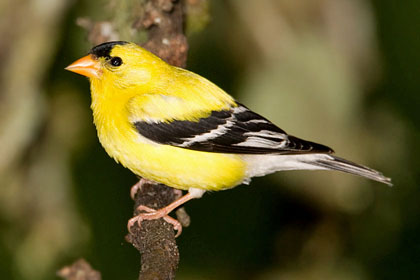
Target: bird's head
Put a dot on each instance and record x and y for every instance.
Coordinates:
(118, 64)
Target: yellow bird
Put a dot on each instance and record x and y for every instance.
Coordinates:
(172, 126)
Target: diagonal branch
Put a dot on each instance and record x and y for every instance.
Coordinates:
(163, 21)
(155, 240)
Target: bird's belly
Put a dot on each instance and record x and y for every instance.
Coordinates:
(176, 167)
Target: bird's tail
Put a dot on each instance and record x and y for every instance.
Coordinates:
(340, 164)
(260, 165)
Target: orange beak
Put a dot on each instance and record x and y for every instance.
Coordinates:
(87, 66)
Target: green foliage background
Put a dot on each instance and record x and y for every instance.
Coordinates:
(342, 73)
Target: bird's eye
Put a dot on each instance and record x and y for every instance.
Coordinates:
(116, 61)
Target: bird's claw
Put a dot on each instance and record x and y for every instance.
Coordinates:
(152, 214)
(134, 189)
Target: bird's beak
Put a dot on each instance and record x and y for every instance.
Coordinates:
(87, 66)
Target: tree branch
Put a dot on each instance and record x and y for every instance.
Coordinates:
(163, 20)
(155, 240)
(79, 270)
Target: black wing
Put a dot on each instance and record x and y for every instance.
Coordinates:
(238, 130)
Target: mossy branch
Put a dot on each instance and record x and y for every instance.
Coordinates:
(163, 22)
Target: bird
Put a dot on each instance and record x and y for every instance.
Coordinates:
(172, 126)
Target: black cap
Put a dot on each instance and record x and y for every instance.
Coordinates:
(104, 49)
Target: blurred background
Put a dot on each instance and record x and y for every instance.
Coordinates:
(342, 73)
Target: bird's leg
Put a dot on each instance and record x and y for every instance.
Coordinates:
(152, 214)
(134, 189)
(178, 193)
(177, 225)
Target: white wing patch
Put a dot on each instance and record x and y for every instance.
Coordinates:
(267, 133)
(255, 139)
(212, 134)
(259, 142)
(239, 109)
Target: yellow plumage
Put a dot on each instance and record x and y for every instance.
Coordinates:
(135, 93)
(172, 126)
(154, 90)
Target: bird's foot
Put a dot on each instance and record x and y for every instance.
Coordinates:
(152, 214)
(134, 189)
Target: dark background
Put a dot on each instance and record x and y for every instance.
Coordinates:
(342, 73)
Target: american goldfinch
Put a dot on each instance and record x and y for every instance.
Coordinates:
(172, 126)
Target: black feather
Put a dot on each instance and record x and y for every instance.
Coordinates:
(343, 165)
(237, 128)
(104, 49)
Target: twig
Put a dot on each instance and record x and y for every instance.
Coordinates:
(155, 240)
(79, 270)
(164, 21)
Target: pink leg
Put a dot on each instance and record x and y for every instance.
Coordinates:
(178, 193)
(153, 214)
(134, 189)
(177, 225)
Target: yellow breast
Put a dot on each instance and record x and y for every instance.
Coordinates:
(176, 167)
